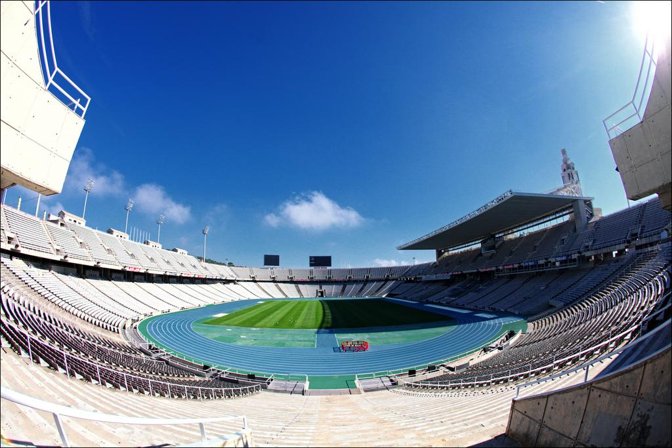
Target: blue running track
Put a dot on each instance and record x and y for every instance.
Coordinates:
(173, 333)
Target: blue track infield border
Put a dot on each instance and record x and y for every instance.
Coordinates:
(173, 333)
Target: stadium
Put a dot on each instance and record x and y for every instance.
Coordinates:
(539, 321)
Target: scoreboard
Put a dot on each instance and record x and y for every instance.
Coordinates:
(317, 261)
(271, 260)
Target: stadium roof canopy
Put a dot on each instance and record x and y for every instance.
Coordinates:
(506, 212)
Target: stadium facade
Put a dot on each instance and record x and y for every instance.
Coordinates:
(595, 292)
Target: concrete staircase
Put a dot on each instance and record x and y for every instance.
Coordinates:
(381, 418)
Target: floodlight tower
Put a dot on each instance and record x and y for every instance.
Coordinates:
(206, 229)
(87, 188)
(160, 221)
(128, 208)
(37, 205)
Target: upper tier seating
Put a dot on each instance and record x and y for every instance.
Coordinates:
(29, 231)
(607, 318)
(136, 250)
(99, 252)
(617, 228)
(86, 246)
(655, 219)
(68, 242)
(525, 294)
(3, 225)
(123, 256)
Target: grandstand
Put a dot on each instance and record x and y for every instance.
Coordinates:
(78, 318)
(78, 304)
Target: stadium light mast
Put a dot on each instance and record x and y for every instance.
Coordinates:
(87, 188)
(128, 208)
(37, 205)
(206, 229)
(160, 221)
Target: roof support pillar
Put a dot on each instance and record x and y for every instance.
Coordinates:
(583, 212)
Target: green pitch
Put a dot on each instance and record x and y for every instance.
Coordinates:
(305, 314)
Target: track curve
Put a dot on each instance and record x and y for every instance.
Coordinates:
(173, 332)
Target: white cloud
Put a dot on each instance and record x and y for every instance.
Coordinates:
(381, 262)
(216, 216)
(313, 211)
(272, 220)
(84, 167)
(54, 209)
(87, 19)
(385, 262)
(153, 200)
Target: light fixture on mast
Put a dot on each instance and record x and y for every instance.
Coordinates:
(128, 208)
(87, 188)
(206, 229)
(160, 221)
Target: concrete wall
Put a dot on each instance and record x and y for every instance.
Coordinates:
(628, 408)
(642, 153)
(39, 132)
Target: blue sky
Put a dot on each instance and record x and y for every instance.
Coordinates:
(340, 129)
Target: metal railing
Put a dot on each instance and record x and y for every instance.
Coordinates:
(153, 385)
(59, 411)
(66, 91)
(521, 371)
(630, 333)
(624, 118)
(423, 368)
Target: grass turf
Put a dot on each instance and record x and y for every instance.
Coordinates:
(257, 337)
(407, 336)
(304, 314)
